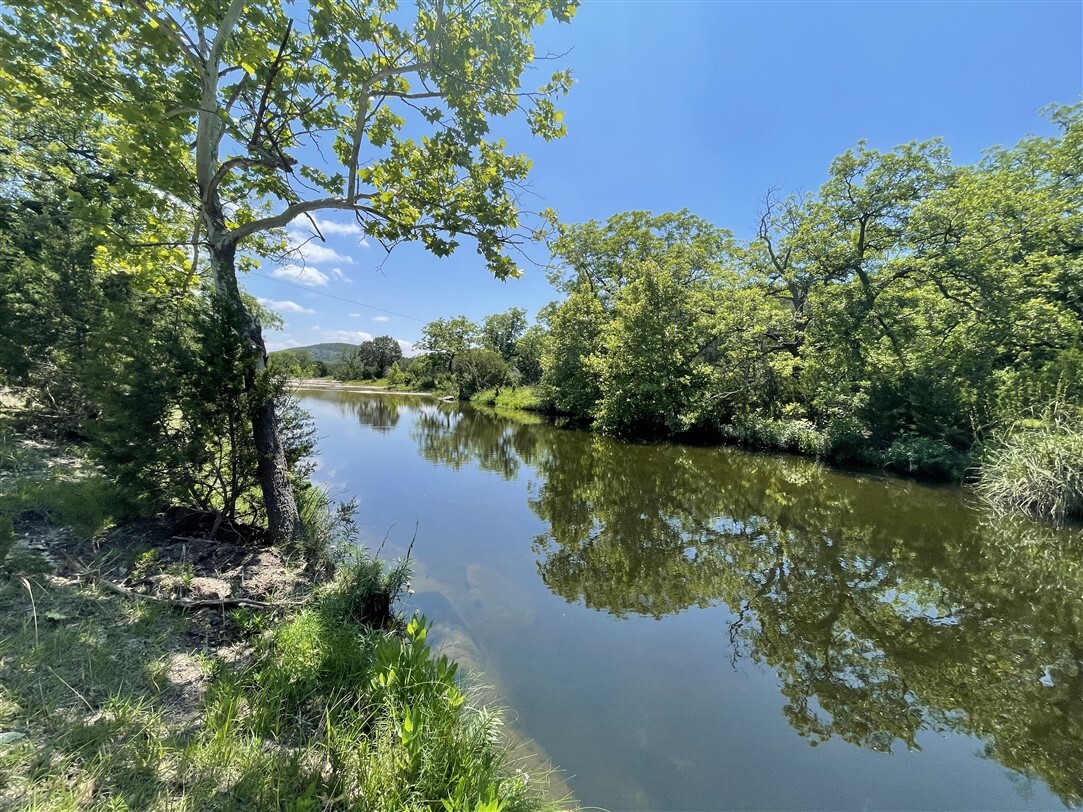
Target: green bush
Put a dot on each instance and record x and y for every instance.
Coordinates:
(924, 456)
(1035, 466)
(797, 435)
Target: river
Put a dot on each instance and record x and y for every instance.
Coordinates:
(681, 627)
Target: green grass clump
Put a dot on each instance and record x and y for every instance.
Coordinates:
(524, 398)
(373, 719)
(109, 704)
(1035, 466)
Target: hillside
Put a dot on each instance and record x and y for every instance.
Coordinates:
(330, 353)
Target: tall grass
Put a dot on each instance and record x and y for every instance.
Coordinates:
(1035, 466)
(525, 398)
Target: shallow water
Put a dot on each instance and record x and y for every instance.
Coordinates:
(701, 628)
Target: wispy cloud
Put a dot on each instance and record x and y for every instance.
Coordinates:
(354, 315)
(380, 318)
(339, 274)
(285, 306)
(301, 274)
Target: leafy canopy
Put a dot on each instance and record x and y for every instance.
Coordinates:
(255, 113)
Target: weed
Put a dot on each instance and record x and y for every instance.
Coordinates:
(144, 565)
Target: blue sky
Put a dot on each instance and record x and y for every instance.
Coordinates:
(706, 105)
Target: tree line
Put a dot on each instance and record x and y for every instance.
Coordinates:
(911, 313)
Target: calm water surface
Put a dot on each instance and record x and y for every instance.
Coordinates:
(700, 628)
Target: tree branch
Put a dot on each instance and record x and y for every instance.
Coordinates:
(294, 211)
(225, 28)
(172, 29)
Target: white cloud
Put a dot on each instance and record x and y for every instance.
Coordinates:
(302, 275)
(282, 344)
(313, 251)
(354, 315)
(333, 227)
(363, 243)
(380, 318)
(285, 307)
(407, 348)
(347, 336)
(339, 274)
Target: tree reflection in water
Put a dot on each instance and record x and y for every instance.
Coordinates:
(886, 608)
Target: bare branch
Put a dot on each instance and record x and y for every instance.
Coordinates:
(272, 72)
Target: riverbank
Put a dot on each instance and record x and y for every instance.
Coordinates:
(145, 665)
(347, 386)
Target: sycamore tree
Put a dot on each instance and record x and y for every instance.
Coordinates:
(249, 114)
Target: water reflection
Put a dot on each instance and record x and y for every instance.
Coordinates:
(886, 608)
(447, 435)
(378, 413)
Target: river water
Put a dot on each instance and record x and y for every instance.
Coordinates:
(680, 627)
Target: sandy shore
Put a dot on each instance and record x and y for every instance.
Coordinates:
(325, 383)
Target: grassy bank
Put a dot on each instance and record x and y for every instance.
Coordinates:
(525, 398)
(144, 668)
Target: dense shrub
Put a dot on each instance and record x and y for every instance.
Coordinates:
(915, 455)
(1036, 466)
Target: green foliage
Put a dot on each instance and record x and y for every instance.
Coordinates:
(568, 383)
(446, 339)
(168, 378)
(371, 359)
(1035, 465)
(525, 398)
(501, 332)
(326, 714)
(915, 455)
(395, 376)
(383, 721)
(296, 364)
(330, 82)
(528, 354)
(206, 134)
(477, 369)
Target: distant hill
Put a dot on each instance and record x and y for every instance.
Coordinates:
(330, 353)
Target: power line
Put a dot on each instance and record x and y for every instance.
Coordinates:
(333, 296)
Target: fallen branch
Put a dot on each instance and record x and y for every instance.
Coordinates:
(184, 604)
